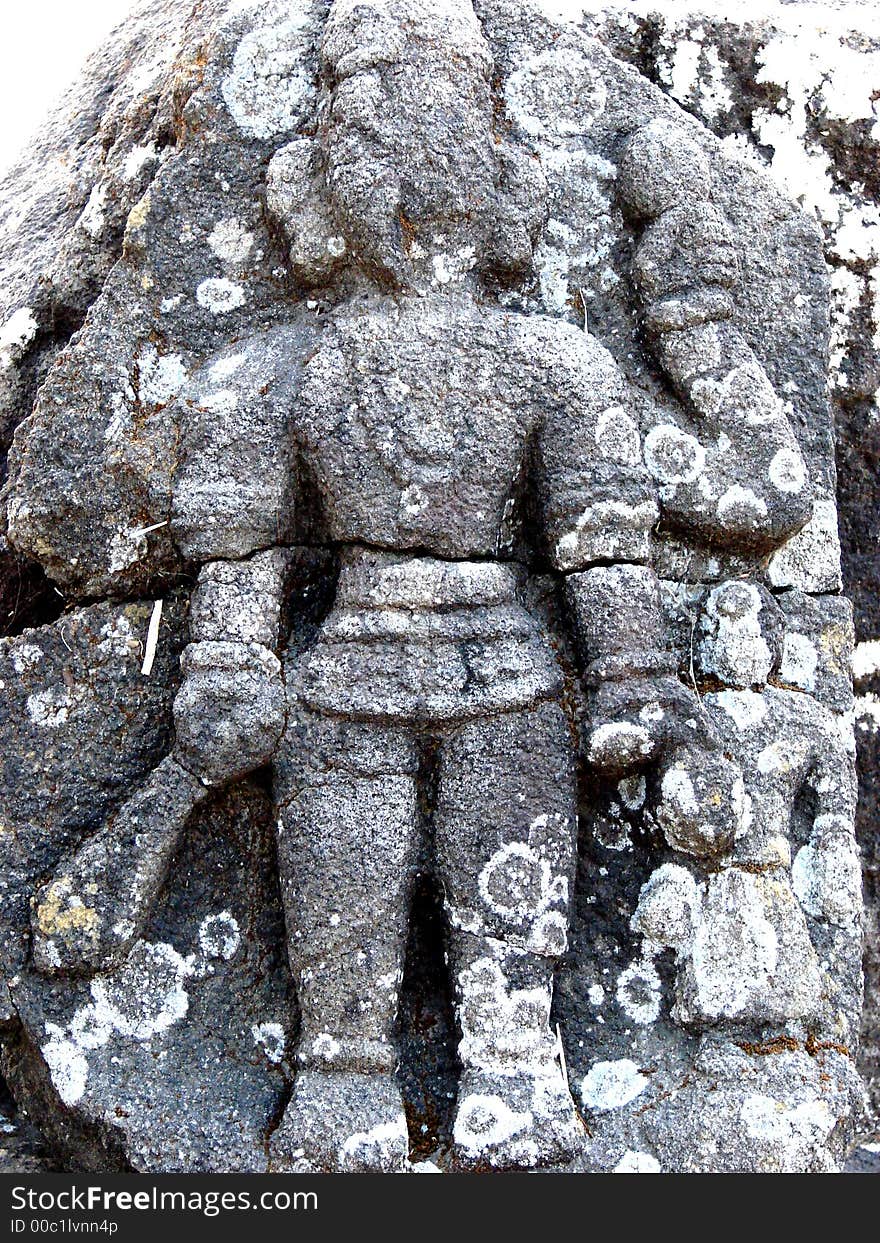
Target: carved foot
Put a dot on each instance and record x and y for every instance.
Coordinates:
(515, 1122)
(342, 1122)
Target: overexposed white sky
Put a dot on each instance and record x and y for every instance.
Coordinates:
(43, 47)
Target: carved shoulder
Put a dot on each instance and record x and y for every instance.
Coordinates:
(235, 485)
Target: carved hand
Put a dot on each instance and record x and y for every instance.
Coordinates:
(634, 720)
(229, 712)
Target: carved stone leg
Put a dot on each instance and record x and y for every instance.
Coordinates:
(347, 835)
(505, 825)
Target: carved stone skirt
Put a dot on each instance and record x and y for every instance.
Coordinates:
(425, 641)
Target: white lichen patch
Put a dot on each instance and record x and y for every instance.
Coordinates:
(639, 992)
(221, 401)
(271, 84)
(580, 190)
(732, 645)
(220, 936)
(504, 1029)
(611, 1085)
(50, 708)
(669, 908)
(634, 1162)
(751, 958)
(92, 219)
(325, 1047)
(677, 789)
(225, 367)
(746, 709)
(779, 756)
(799, 1131)
(147, 996)
(16, 333)
(735, 950)
(121, 422)
(518, 879)
(800, 660)
(632, 792)
(67, 1065)
(596, 995)
(787, 471)
(231, 241)
(617, 437)
(452, 268)
(810, 560)
(129, 544)
(160, 376)
(827, 880)
(673, 456)
(867, 712)
(167, 305)
(484, 1121)
(866, 660)
(413, 500)
(619, 744)
(137, 158)
(518, 883)
(549, 933)
(607, 529)
(555, 94)
(219, 295)
(384, 1144)
(271, 1039)
(742, 506)
(25, 658)
(140, 1001)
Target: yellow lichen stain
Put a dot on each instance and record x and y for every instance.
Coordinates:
(55, 920)
(137, 217)
(41, 548)
(133, 240)
(779, 890)
(834, 642)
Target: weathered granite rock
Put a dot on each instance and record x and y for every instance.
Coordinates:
(474, 397)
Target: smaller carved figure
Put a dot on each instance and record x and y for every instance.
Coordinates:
(740, 931)
(737, 477)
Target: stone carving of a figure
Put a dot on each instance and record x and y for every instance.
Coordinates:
(417, 421)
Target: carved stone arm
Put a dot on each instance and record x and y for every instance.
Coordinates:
(229, 712)
(228, 716)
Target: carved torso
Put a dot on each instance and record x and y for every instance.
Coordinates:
(414, 432)
(416, 441)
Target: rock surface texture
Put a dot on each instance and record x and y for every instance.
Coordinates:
(428, 734)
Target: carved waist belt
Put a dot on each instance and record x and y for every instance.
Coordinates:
(422, 640)
(372, 579)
